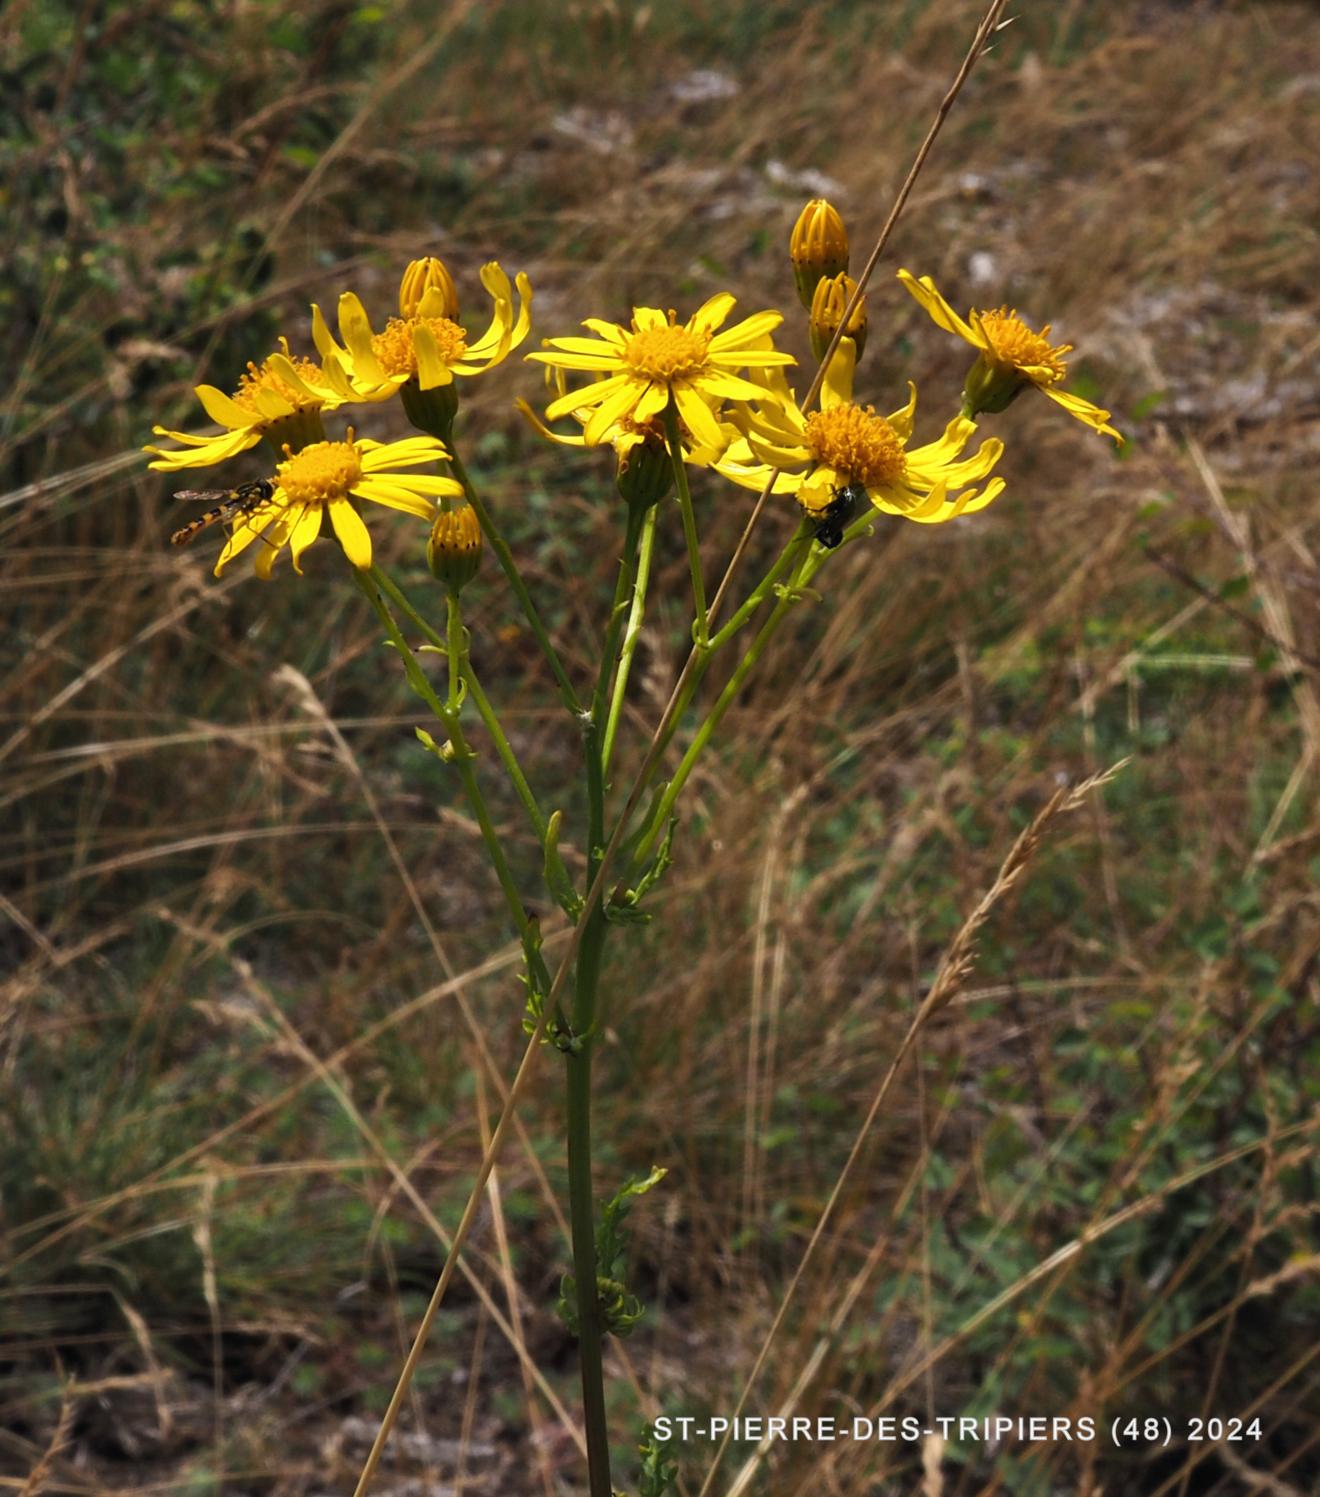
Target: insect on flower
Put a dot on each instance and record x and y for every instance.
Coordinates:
(226, 505)
(836, 514)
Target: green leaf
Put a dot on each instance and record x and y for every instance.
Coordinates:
(556, 874)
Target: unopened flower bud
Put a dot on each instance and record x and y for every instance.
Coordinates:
(645, 473)
(827, 309)
(818, 247)
(454, 550)
(428, 280)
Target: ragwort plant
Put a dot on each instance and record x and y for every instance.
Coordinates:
(663, 397)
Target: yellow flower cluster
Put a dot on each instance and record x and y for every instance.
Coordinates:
(282, 401)
(727, 393)
(663, 393)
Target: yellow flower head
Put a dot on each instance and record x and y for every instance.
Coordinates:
(640, 447)
(425, 344)
(281, 398)
(844, 445)
(1011, 356)
(659, 359)
(327, 477)
(643, 470)
(828, 305)
(421, 278)
(453, 552)
(818, 247)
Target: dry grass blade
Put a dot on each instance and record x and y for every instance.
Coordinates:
(1073, 1250)
(953, 972)
(379, 1149)
(38, 1478)
(1252, 1480)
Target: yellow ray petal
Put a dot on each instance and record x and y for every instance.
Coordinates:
(619, 403)
(837, 389)
(745, 331)
(395, 496)
(272, 405)
(938, 310)
(377, 457)
(355, 328)
(524, 322)
(223, 409)
(353, 534)
(652, 401)
(901, 420)
(593, 347)
(248, 530)
(697, 417)
(965, 504)
(282, 365)
(610, 331)
(272, 541)
(432, 371)
(712, 313)
(591, 362)
(203, 452)
(725, 386)
(1090, 415)
(540, 427)
(753, 358)
(305, 530)
(322, 336)
(589, 395)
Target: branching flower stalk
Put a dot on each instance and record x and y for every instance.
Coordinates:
(631, 634)
(479, 699)
(458, 752)
(664, 397)
(495, 539)
(700, 621)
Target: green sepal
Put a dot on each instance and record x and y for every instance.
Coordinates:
(431, 411)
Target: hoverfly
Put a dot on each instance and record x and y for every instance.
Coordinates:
(226, 505)
(836, 514)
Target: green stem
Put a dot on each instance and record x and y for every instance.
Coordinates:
(582, 1209)
(593, 721)
(500, 547)
(371, 586)
(630, 634)
(582, 1206)
(455, 650)
(789, 557)
(505, 750)
(617, 610)
(482, 703)
(675, 441)
(664, 807)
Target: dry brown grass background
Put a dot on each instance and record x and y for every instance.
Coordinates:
(245, 1096)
